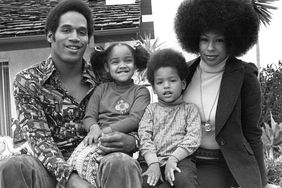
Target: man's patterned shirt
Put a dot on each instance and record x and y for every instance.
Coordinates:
(49, 118)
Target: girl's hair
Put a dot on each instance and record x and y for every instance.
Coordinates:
(236, 20)
(166, 58)
(55, 14)
(100, 56)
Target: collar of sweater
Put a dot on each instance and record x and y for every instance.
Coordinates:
(212, 69)
(178, 101)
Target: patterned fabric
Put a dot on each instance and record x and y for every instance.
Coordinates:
(85, 160)
(163, 129)
(49, 118)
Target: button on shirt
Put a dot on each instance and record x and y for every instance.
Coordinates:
(49, 117)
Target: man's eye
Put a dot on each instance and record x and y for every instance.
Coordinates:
(83, 33)
(66, 30)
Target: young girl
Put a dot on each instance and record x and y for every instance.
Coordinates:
(117, 105)
(169, 130)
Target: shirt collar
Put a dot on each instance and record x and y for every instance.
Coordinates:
(48, 69)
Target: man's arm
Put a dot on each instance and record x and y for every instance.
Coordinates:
(35, 130)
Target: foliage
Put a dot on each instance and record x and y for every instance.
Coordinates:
(274, 171)
(272, 145)
(272, 139)
(151, 46)
(271, 87)
(262, 7)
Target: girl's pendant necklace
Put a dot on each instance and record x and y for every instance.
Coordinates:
(207, 125)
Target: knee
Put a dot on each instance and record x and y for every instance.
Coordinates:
(10, 165)
(120, 160)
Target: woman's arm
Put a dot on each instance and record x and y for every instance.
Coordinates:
(251, 110)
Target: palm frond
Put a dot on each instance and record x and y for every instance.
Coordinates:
(149, 44)
(263, 7)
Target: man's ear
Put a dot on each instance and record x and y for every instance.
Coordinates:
(50, 37)
(183, 84)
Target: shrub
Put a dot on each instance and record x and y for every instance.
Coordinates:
(272, 145)
(271, 87)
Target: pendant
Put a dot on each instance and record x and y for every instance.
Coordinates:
(207, 126)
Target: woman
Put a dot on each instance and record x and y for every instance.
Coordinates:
(225, 89)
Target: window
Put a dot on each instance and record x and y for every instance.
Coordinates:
(5, 104)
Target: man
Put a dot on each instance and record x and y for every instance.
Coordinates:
(51, 98)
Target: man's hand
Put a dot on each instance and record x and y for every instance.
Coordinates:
(154, 174)
(170, 167)
(117, 142)
(75, 181)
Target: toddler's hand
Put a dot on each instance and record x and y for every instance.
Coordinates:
(154, 174)
(93, 135)
(170, 167)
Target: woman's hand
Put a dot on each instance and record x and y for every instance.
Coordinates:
(154, 174)
(117, 142)
(75, 181)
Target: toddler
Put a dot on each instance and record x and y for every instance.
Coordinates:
(169, 130)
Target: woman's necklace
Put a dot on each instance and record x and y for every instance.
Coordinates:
(207, 125)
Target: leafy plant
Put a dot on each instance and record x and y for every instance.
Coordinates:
(274, 171)
(151, 45)
(271, 87)
(272, 142)
(262, 8)
(272, 139)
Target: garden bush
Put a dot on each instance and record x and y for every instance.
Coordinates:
(271, 86)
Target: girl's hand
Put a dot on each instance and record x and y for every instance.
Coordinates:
(154, 174)
(93, 135)
(170, 167)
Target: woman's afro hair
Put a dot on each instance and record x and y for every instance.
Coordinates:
(236, 20)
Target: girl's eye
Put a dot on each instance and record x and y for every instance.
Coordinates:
(128, 60)
(114, 62)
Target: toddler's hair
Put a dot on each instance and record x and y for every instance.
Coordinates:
(166, 58)
(99, 58)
